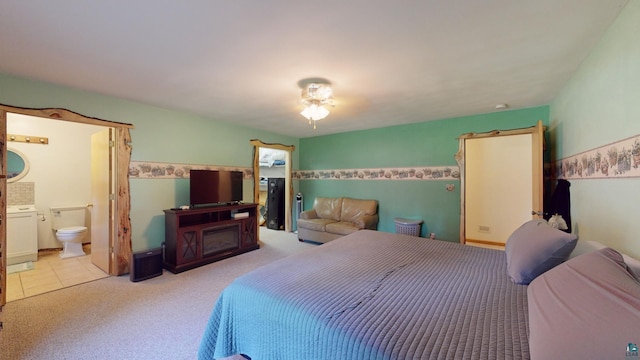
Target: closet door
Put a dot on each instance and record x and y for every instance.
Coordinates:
(501, 183)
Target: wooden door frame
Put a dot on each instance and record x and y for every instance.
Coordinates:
(288, 195)
(537, 133)
(122, 235)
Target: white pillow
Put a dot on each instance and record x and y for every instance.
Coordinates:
(585, 308)
(534, 248)
(583, 247)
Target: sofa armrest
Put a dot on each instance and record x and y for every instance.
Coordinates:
(367, 222)
(308, 214)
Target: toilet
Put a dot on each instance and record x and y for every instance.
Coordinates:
(69, 225)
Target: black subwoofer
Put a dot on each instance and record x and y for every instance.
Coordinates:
(146, 264)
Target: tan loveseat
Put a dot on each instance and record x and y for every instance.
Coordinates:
(332, 218)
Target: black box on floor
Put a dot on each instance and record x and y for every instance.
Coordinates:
(146, 264)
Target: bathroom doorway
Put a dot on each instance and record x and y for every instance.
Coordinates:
(120, 242)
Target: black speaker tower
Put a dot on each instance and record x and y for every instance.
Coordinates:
(275, 204)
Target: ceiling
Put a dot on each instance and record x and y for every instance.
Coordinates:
(389, 62)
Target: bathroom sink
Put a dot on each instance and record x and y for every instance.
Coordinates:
(14, 209)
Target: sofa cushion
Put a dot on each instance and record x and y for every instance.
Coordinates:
(328, 208)
(354, 209)
(342, 228)
(315, 224)
(534, 248)
(585, 308)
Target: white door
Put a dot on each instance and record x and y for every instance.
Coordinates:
(101, 193)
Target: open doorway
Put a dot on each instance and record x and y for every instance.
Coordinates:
(272, 188)
(283, 170)
(500, 170)
(53, 200)
(120, 238)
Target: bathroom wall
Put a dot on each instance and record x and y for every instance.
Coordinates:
(60, 172)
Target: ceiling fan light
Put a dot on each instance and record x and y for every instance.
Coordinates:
(316, 97)
(315, 112)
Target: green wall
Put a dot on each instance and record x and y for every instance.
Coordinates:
(599, 106)
(432, 143)
(160, 135)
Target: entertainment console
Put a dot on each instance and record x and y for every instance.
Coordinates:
(195, 237)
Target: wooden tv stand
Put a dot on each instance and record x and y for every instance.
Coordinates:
(200, 236)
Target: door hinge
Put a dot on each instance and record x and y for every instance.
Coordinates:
(112, 197)
(112, 143)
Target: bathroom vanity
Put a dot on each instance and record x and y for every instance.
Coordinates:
(22, 234)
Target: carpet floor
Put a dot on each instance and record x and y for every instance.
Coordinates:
(159, 318)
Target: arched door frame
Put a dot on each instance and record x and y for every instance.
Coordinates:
(122, 234)
(288, 196)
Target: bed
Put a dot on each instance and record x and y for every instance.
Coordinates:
(376, 295)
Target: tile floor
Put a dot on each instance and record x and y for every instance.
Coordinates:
(52, 273)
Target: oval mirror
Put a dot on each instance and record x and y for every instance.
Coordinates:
(17, 165)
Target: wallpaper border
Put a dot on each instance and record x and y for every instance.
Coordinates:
(396, 173)
(163, 170)
(620, 159)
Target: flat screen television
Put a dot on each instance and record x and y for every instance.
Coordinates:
(214, 187)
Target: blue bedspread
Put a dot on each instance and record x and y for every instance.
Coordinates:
(374, 295)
